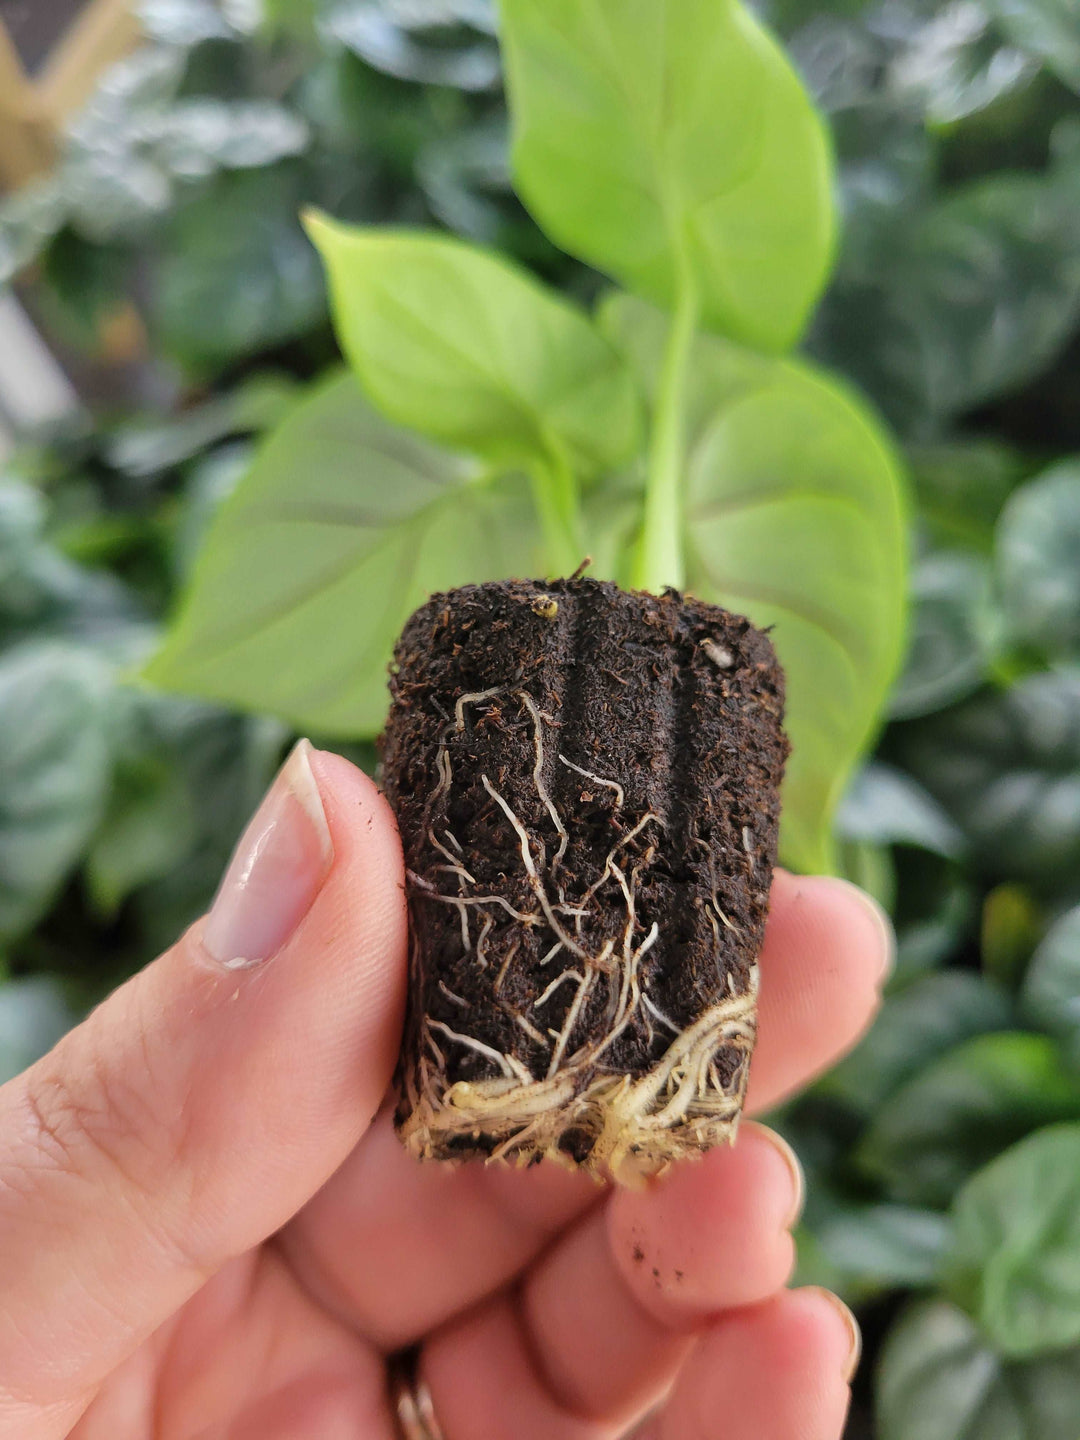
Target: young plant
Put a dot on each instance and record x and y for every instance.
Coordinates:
(491, 430)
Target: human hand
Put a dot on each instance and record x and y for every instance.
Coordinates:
(208, 1230)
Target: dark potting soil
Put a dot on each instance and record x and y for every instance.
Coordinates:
(586, 783)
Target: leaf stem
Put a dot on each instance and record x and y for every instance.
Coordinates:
(558, 507)
(660, 554)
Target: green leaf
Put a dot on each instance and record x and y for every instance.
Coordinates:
(951, 304)
(33, 1016)
(237, 274)
(54, 765)
(939, 1379)
(343, 525)
(870, 1249)
(672, 143)
(1050, 997)
(1015, 1257)
(1047, 28)
(961, 489)
(914, 1027)
(794, 512)
(952, 1117)
(435, 42)
(1006, 767)
(954, 634)
(888, 807)
(149, 827)
(465, 348)
(1038, 541)
(1012, 924)
(148, 445)
(935, 913)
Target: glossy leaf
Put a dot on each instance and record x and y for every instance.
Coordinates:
(956, 1114)
(935, 913)
(1006, 766)
(915, 1027)
(1015, 1257)
(869, 1249)
(952, 303)
(954, 634)
(238, 274)
(939, 1379)
(961, 489)
(888, 807)
(1046, 28)
(54, 765)
(433, 42)
(663, 142)
(33, 1016)
(1051, 994)
(465, 348)
(343, 525)
(795, 517)
(1038, 545)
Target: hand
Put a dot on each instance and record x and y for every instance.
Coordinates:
(208, 1228)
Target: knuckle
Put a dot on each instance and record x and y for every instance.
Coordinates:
(97, 1126)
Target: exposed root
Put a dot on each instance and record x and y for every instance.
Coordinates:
(637, 1126)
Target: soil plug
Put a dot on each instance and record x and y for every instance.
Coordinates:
(586, 782)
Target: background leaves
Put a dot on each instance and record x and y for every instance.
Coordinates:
(954, 305)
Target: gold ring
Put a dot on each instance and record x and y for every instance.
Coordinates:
(410, 1399)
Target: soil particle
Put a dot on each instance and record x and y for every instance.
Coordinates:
(586, 784)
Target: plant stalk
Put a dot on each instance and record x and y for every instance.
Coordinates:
(660, 559)
(558, 506)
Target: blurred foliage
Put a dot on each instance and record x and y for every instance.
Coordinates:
(943, 1155)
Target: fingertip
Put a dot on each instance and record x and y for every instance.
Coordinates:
(826, 954)
(781, 1367)
(713, 1233)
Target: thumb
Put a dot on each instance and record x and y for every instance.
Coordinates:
(206, 1100)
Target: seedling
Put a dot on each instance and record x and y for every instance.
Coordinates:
(585, 776)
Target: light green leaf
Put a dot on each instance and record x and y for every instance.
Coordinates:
(1037, 542)
(1015, 1257)
(664, 140)
(54, 765)
(952, 1117)
(464, 347)
(794, 512)
(913, 1028)
(939, 1379)
(1051, 994)
(343, 525)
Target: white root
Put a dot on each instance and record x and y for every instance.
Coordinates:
(637, 1126)
(620, 794)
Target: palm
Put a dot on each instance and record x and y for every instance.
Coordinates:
(546, 1306)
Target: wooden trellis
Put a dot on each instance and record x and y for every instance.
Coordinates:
(34, 106)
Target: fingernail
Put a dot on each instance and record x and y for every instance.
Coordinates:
(276, 871)
(882, 923)
(854, 1354)
(795, 1170)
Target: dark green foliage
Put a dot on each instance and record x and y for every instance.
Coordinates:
(955, 304)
